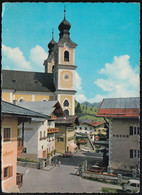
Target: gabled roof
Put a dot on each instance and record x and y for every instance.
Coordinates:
(44, 107)
(27, 81)
(120, 108)
(71, 119)
(11, 109)
(97, 123)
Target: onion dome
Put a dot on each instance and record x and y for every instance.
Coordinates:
(64, 25)
(52, 42)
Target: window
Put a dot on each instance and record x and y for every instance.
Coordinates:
(133, 184)
(66, 56)
(75, 128)
(131, 153)
(7, 172)
(6, 134)
(134, 153)
(60, 139)
(52, 68)
(66, 112)
(134, 130)
(80, 128)
(90, 128)
(66, 103)
(85, 128)
(40, 134)
(44, 133)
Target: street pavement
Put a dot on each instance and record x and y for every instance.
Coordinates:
(61, 179)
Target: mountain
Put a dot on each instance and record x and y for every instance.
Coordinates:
(96, 105)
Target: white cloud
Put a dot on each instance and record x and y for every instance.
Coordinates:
(121, 79)
(80, 98)
(77, 81)
(13, 58)
(37, 56)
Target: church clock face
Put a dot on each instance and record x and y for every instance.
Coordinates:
(66, 76)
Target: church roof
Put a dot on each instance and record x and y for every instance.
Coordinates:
(27, 81)
(44, 107)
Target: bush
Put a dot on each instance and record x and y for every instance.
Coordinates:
(111, 190)
(26, 160)
(48, 155)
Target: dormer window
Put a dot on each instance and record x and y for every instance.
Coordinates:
(66, 56)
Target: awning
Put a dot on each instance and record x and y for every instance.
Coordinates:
(73, 145)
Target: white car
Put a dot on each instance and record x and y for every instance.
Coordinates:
(133, 186)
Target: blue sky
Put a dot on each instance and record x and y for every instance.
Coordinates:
(107, 35)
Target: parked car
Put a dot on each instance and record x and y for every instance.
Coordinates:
(67, 154)
(96, 169)
(133, 186)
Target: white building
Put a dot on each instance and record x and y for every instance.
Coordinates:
(40, 133)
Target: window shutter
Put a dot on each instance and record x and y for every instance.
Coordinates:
(131, 153)
(131, 130)
(11, 171)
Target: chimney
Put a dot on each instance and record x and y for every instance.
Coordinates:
(15, 102)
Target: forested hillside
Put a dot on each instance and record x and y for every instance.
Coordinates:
(86, 112)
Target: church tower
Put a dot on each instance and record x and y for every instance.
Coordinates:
(61, 62)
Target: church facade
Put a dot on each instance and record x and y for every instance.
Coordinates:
(56, 83)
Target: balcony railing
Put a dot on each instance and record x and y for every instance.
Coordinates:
(19, 179)
(52, 130)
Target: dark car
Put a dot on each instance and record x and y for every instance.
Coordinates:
(67, 154)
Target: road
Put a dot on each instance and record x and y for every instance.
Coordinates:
(59, 179)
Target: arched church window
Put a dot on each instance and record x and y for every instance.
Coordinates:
(66, 56)
(66, 103)
(66, 112)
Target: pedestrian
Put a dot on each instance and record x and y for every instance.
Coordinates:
(59, 163)
(56, 161)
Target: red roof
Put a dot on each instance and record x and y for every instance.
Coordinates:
(119, 112)
(119, 108)
(96, 124)
(82, 141)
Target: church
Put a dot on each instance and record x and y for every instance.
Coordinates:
(57, 83)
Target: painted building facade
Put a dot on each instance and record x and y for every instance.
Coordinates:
(65, 137)
(124, 132)
(56, 83)
(12, 115)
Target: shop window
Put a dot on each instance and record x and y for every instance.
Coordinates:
(66, 56)
(6, 134)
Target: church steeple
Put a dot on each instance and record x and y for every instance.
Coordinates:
(64, 27)
(51, 43)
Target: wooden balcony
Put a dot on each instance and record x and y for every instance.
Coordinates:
(52, 130)
(19, 179)
(20, 145)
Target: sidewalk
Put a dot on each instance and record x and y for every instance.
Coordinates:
(49, 167)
